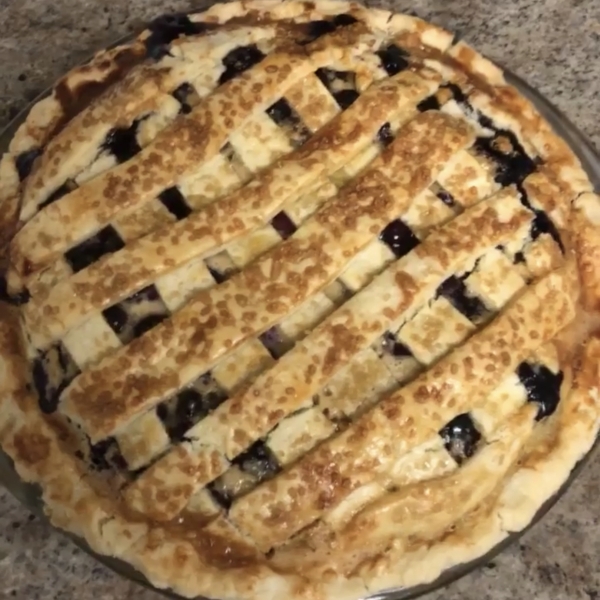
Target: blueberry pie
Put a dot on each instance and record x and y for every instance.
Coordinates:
(299, 302)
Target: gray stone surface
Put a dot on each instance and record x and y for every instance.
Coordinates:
(554, 44)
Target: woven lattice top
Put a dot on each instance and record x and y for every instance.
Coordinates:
(298, 287)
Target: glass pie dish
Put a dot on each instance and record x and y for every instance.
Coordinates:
(29, 495)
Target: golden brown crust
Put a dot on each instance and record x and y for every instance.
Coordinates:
(396, 256)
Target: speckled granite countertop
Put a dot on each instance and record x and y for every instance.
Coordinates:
(554, 44)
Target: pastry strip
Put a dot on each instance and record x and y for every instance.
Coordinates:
(397, 293)
(272, 513)
(187, 344)
(122, 273)
(191, 140)
(140, 92)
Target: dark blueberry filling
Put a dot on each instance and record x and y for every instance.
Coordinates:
(341, 85)
(461, 437)
(212, 393)
(275, 342)
(116, 317)
(346, 98)
(317, 29)
(53, 370)
(344, 20)
(284, 226)
(394, 59)
(175, 203)
(162, 411)
(106, 455)
(519, 258)
(435, 101)
(129, 322)
(189, 409)
(239, 60)
(392, 346)
(485, 122)
(147, 323)
(118, 460)
(456, 292)
(165, 29)
(217, 276)
(259, 461)
(459, 96)
(122, 142)
(47, 395)
(385, 135)
(399, 237)
(182, 94)
(542, 386)
(149, 293)
(430, 103)
(543, 224)
(63, 190)
(17, 299)
(284, 114)
(190, 406)
(220, 495)
(107, 240)
(446, 197)
(98, 454)
(220, 276)
(25, 161)
(461, 99)
(513, 164)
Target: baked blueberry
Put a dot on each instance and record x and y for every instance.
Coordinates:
(461, 437)
(259, 461)
(317, 29)
(513, 164)
(391, 345)
(393, 58)
(25, 161)
(284, 226)
(399, 238)
(122, 142)
(239, 60)
(85, 253)
(284, 114)
(166, 28)
(542, 385)
(385, 135)
(456, 292)
(175, 203)
(52, 371)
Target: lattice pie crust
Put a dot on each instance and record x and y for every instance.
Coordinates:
(300, 302)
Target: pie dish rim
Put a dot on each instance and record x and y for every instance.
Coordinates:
(576, 469)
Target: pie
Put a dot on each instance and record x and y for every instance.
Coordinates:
(300, 301)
